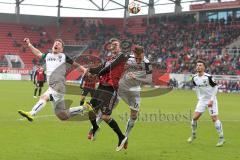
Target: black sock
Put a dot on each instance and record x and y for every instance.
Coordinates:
(113, 124)
(35, 91)
(39, 91)
(94, 124)
(81, 103)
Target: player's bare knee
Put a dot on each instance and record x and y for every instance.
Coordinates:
(214, 118)
(63, 116)
(196, 116)
(44, 97)
(134, 117)
(134, 114)
(105, 117)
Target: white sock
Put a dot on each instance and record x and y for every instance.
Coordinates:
(76, 110)
(218, 126)
(98, 119)
(129, 126)
(38, 106)
(194, 127)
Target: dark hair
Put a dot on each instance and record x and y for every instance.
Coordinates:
(201, 61)
(138, 49)
(59, 40)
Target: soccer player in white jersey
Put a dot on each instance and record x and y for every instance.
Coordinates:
(206, 89)
(56, 70)
(137, 70)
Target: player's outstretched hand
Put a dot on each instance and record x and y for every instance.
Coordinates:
(27, 41)
(85, 71)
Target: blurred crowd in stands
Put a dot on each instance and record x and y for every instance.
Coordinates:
(181, 43)
(172, 44)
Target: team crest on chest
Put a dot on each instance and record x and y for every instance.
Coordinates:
(60, 58)
(204, 81)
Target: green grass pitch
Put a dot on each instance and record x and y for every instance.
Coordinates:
(161, 132)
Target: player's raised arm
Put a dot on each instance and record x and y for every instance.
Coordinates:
(214, 86)
(34, 50)
(121, 57)
(77, 65)
(80, 67)
(96, 70)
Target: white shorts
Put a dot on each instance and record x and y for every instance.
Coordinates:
(203, 105)
(132, 98)
(56, 98)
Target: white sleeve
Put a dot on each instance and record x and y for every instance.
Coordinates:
(147, 79)
(215, 90)
(197, 92)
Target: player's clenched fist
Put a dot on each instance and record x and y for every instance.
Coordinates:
(27, 41)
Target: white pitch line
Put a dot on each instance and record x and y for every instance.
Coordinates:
(52, 115)
(232, 120)
(37, 117)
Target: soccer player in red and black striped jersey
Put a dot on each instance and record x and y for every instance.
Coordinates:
(39, 80)
(105, 96)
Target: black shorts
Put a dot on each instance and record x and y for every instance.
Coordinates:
(39, 83)
(104, 99)
(85, 91)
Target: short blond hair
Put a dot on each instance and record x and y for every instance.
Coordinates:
(138, 49)
(59, 40)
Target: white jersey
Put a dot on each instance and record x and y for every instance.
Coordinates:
(139, 70)
(206, 87)
(56, 68)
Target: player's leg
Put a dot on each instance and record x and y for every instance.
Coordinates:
(91, 135)
(96, 103)
(134, 104)
(213, 111)
(37, 107)
(39, 91)
(196, 116)
(95, 128)
(35, 90)
(40, 104)
(200, 108)
(83, 96)
(82, 99)
(109, 100)
(99, 114)
(219, 128)
(62, 112)
(131, 121)
(130, 124)
(40, 88)
(114, 125)
(99, 120)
